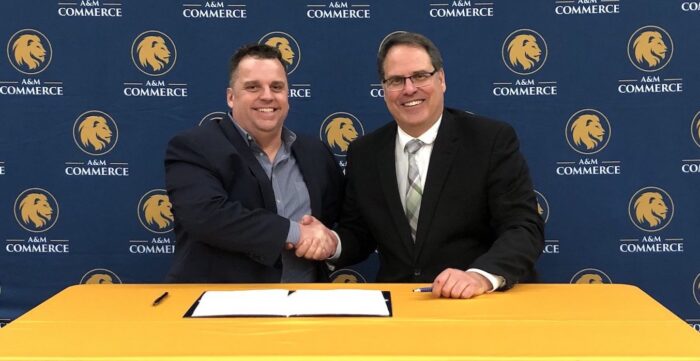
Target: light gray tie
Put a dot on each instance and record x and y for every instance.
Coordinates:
(414, 191)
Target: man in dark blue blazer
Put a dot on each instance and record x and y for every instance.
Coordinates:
(240, 185)
(443, 196)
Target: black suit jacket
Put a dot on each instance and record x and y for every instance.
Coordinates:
(226, 223)
(478, 207)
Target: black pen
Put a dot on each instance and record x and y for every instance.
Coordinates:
(423, 289)
(160, 298)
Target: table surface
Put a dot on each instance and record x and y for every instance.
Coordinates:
(543, 321)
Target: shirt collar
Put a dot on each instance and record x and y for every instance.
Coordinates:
(428, 137)
(288, 136)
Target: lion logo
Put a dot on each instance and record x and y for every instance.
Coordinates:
(28, 50)
(340, 132)
(650, 208)
(589, 278)
(586, 129)
(523, 50)
(95, 131)
(542, 206)
(282, 44)
(287, 46)
(650, 47)
(99, 278)
(157, 209)
(345, 279)
(347, 275)
(154, 211)
(153, 53)
(35, 208)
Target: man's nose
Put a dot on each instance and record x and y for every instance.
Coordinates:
(266, 93)
(408, 86)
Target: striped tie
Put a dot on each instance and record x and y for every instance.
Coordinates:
(414, 192)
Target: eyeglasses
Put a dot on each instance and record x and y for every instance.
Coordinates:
(419, 79)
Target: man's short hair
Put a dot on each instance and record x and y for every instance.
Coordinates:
(258, 51)
(410, 39)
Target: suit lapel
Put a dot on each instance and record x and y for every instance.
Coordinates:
(441, 161)
(387, 178)
(236, 139)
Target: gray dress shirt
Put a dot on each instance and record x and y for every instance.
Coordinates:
(292, 199)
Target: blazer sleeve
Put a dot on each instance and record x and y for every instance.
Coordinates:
(199, 180)
(356, 239)
(518, 227)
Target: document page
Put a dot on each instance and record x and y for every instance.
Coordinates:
(279, 302)
(338, 302)
(242, 303)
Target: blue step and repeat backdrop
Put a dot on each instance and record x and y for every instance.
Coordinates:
(604, 95)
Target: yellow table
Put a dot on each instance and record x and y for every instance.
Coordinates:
(529, 322)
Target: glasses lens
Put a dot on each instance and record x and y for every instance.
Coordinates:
(395, 83)
(420, 79)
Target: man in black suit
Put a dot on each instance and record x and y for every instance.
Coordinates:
(443, 195)
(240, 185)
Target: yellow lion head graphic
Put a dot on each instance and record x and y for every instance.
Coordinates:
(29, 50)
(697, 125)
(345, 279)
(94, 131)
(99, 278)
(587, 129)
(157, 209)
(523, 50)
(282, 44)
(540, 210)
(340, 132)
(590, 278)
(153, 51)
(35, 208)
(650, 47)
(650, 208)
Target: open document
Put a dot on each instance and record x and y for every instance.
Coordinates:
(285, 303)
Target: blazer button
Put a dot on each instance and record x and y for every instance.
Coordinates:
(416, 272)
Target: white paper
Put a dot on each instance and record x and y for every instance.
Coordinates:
(279, 302)
(338, 302)
(242, 303)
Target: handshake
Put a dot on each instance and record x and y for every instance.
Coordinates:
(316, 242)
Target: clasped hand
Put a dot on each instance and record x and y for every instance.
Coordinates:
(316, 242)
